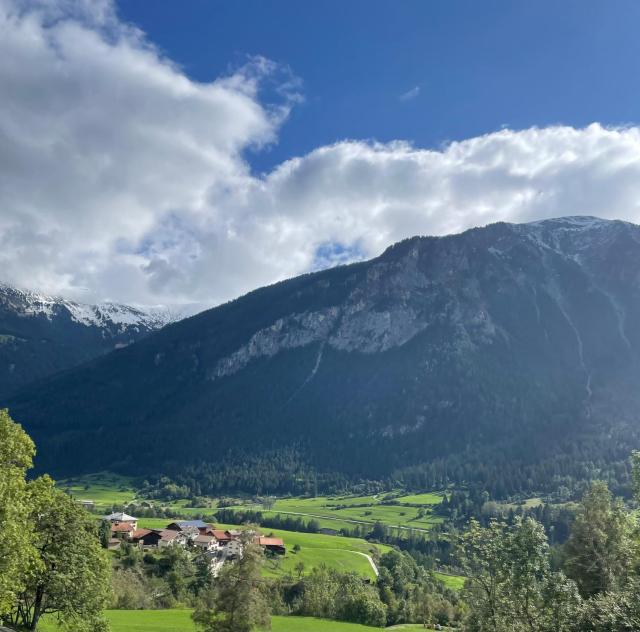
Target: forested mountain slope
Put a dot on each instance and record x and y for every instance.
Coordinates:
(494, 351)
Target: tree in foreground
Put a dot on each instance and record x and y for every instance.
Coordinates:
(237, 601)
(511, 586)
(71, 573)
(50, 555)
(16, 457)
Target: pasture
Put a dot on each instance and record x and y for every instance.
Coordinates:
(455, 582)
(180, 621)
(103, 488)
(408, 512)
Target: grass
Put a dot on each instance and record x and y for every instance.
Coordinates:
(180, 621)
(345, 554)
(415, 511)
(103, 488)
(429, 498)
(344, 511)
(455, 582)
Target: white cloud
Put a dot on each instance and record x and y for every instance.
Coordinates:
(121, 175)
(410, 94)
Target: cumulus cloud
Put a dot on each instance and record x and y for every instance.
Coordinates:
(123, 179)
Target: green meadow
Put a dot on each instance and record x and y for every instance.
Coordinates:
(104, 489)
(455, 582)
(180, 621)
(409, 512)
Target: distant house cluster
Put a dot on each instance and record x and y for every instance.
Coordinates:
(219, 545)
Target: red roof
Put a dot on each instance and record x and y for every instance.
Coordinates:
(140, 533)
(168, 534)
(123, 527)
(270, 541)
(204, 538)
(218, 534)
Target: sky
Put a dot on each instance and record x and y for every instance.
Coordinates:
(184, 153)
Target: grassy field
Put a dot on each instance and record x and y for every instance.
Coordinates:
(421, 499)
(180, 621)
(455, 582)
(103, 488)
(336, 512)
(414, 511)
(345, 554)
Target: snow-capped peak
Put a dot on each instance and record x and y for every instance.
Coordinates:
(113, 315)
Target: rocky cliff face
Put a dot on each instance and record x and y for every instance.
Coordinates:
(518, 338)
(41, 335)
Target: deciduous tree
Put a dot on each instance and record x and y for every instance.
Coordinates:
(70, 576)
(237, 601)
(16, 455)
(600, 550)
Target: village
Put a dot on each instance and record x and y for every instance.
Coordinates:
(218, 545)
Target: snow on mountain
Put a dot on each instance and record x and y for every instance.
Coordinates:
(28, 303)
(41, 335)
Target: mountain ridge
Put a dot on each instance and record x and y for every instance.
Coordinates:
(511, 339)
(41, 335)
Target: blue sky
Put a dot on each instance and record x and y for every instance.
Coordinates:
(477, 65)
(184, 153)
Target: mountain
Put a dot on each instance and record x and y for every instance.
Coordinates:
(42, 335)
(509, 353)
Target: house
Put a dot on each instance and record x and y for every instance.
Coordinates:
(138, 536)
(222, 537)
(204, 528)
(205, 542)
(233, 549)
(272, 545)
(169, 537)
(122, 530)
(157, 538)
(114, 544)
(118, 517)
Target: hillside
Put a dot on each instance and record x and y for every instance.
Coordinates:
(485, 354)
(42, 335)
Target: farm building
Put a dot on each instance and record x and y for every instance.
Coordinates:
(202, 527)
(120, 517)
(273, 545)
(205, 542)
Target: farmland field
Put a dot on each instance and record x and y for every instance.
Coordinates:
(414, 511)
(336, 512)
(180, 621)
(103, 488)
(345, 554)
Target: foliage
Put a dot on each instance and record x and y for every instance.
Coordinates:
(16, 455)
(511, 586)
(237, 600)
(601, 548)
(71, 576)
(613, 611)
(329, 594)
